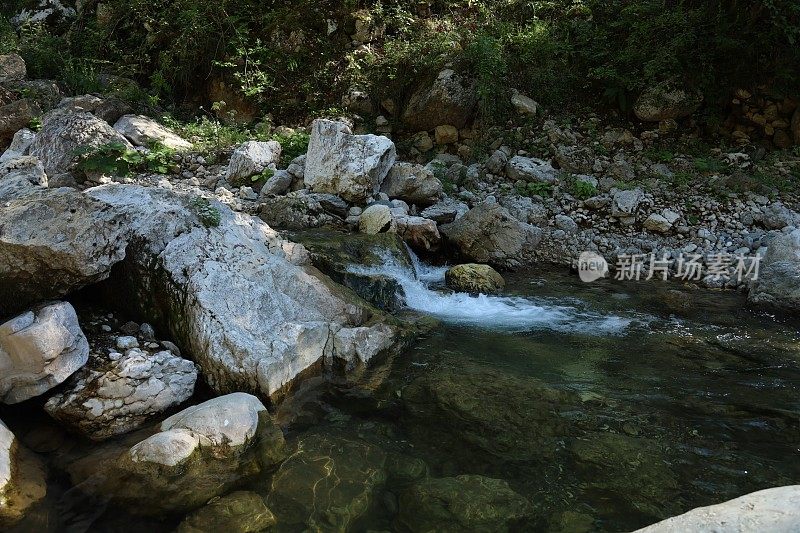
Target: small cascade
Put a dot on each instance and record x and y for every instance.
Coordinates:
(425, 292)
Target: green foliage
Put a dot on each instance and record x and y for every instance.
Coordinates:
(659, 155)
(293, 145)
(534, 188)
(113, 158)
(116, 159)
(207, 213)
(709, 165)
(263, 177)
(489, 63)
(584, 190)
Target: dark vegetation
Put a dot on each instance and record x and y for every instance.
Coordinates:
(294, 58)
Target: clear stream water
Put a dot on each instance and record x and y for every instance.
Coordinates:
(609, 405)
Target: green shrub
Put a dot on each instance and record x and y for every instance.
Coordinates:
(116, 159)
(207, 213)
(583, 190)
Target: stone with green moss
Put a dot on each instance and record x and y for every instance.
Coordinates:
(462, 503)
(474, 278)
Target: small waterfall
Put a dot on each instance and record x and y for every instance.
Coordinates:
(425, 292)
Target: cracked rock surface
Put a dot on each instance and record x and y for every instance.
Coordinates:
(118, 393)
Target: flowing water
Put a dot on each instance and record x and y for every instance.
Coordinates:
(608, 406)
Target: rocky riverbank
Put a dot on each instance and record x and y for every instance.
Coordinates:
(204, 252)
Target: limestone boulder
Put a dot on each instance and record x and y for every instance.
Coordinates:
(778, 282)
(64, 132)
(489, 234)
(12, 67)
(450, 98)
(776, 510)
(22, 479)
(118, 393)
(20, 145)
(350, 166)
(40, 349)
(199, 453)
(17, 115)
(474, 278)
(280, 320)
(412, 183)
(531, 169)
(251, 159)
(20, 176)
(421, 234)
(52, 242)
(144, 131)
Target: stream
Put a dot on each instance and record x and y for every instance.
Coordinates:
(608, 406)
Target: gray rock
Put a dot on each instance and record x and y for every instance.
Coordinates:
(113, 397)
(20, 176)
(419, 233)
(54, 241)
(523, 104)
(496, 164)
(657, 223)
(20, 145)
(295, 211)
(376, 218)
(200, 453)
(412, 183)
(489, 234)
(144, 131)
(63, 133)
(778, 282)
(778, 216)
(252, 158)
(445, 211)
(40, 349)
(447, 99)
(108, 109)
(776, 510)
(531, 169)
(12, 67)
(292, 312)
(23, 481)
(17, 115)
(625, 203)
(566, 224)
(350, 166)
(278, 184)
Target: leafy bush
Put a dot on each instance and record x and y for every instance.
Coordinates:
(535, 188)
(584, 190)
(116, 159)
(207, 213)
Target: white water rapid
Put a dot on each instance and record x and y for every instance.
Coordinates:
(425, 292)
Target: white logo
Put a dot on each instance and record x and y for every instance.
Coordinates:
(592, 266)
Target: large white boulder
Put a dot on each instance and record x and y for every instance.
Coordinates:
(38, 350)
(776, 510)
(199, 453)
(117, 394)
(20, 145)
(64, 132)
(144, 131)
(252, 158)
(242, 300)
(54, 241)
(22, 479)
(19, 176)
(351, 166)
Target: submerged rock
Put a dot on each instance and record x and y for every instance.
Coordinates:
(776, 510)
(238, 512)
(463, 503)
(117, 395)
(38, 350)
(351, 166)
(474, 278)
(200, 453)
(22, 479)
(327, 484)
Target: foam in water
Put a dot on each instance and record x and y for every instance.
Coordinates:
(509, 313)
